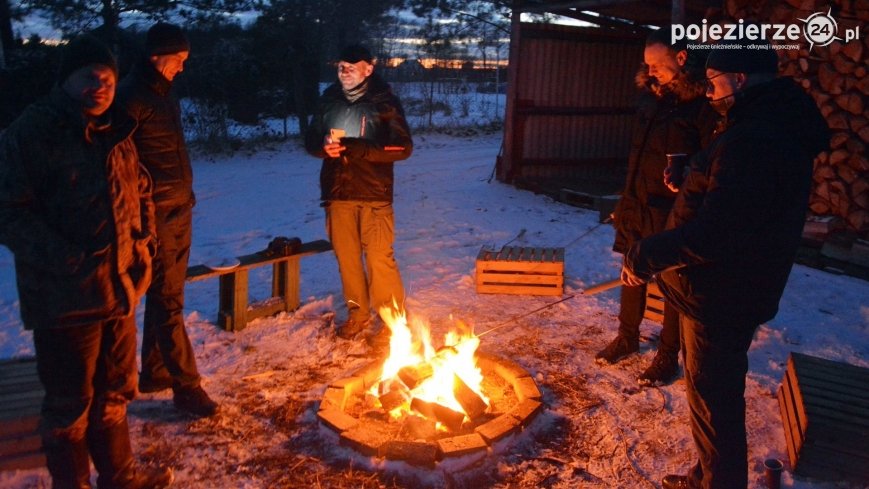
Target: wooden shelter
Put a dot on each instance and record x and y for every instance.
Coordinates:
(571, 95)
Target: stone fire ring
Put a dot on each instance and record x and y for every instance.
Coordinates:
(356, 434)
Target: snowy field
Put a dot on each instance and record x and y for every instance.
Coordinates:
(599, 429)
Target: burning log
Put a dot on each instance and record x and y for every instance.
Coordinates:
(413, 375)
(451, 419)
(471, 402)
(396, 394)
(419, 428)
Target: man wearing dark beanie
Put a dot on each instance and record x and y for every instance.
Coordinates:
(736, 226)
(76, 211)
(145, 94)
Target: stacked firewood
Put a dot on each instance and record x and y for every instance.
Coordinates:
(837, 76)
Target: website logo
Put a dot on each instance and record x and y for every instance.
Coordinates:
(819, 29)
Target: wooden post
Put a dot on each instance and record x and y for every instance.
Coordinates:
(285, 282)
(233, 301)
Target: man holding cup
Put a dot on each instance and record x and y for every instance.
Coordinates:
(673, 119)
(360, 131)
(736, 228)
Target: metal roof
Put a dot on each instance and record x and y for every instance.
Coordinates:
(621, 14)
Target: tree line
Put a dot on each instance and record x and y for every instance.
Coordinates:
(251, 59)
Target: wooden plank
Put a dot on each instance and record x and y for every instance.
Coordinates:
(518, 290)
(816, 363)
(832, 463)
(201, 272)
(789, 425)
(834, 381)
(529, 267)
(519, 279)
(844, 410)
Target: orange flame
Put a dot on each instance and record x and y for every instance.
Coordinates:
(410, 345)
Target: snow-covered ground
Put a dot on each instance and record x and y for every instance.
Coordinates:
(599, 429)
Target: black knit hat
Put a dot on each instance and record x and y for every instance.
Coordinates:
(166, 38)
(82, 51)
(356, 53)
(735, 56)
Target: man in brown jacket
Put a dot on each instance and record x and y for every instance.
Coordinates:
(76, 211)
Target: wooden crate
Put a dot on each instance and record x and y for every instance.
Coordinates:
(21, 396)
(654, 303)
(825, 412)
(520, 270)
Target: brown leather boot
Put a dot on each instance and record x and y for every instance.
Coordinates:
(113, 458)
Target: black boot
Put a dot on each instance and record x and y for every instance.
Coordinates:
(663, 370)
(113, 458)
(68, 463)
(617, 349)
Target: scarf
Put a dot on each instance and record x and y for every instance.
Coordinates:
(356, 92)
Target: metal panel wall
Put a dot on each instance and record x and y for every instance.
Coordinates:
(573, 107)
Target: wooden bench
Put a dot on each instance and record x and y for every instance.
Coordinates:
(21, 396)
(234, 312)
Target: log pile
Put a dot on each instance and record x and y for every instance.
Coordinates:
(837, 77)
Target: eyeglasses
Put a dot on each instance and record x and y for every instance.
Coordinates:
(709, 85)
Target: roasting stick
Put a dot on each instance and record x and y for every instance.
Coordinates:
(594, 289)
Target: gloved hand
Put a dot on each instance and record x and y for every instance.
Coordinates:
(629, 278)
(354, 147)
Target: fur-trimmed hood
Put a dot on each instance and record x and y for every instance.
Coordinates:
(684, 86)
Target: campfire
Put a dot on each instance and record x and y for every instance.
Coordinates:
(424, 403)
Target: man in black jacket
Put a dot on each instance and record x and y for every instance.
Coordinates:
(359, 130)
(673, 117)
(167, 355)
(76, 211)
(726, 257)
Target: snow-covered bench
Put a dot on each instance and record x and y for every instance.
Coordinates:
(234, 312)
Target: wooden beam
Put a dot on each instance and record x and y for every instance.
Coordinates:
(678, 13)
(557, 7)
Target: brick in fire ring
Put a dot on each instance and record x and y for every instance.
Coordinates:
(498, 428)
(526, 388)
(461, 445)
(337, 420)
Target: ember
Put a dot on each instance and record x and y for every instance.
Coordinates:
(422, 404)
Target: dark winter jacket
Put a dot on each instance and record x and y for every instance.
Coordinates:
(377, 119)
(145, 95)
(78, 216)
(674, 118)
(740, 213)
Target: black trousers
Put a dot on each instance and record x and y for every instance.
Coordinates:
(89, 375)
(166, 348)
(631, 310)
(716, 361)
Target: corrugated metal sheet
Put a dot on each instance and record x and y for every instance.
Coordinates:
(574, 104)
